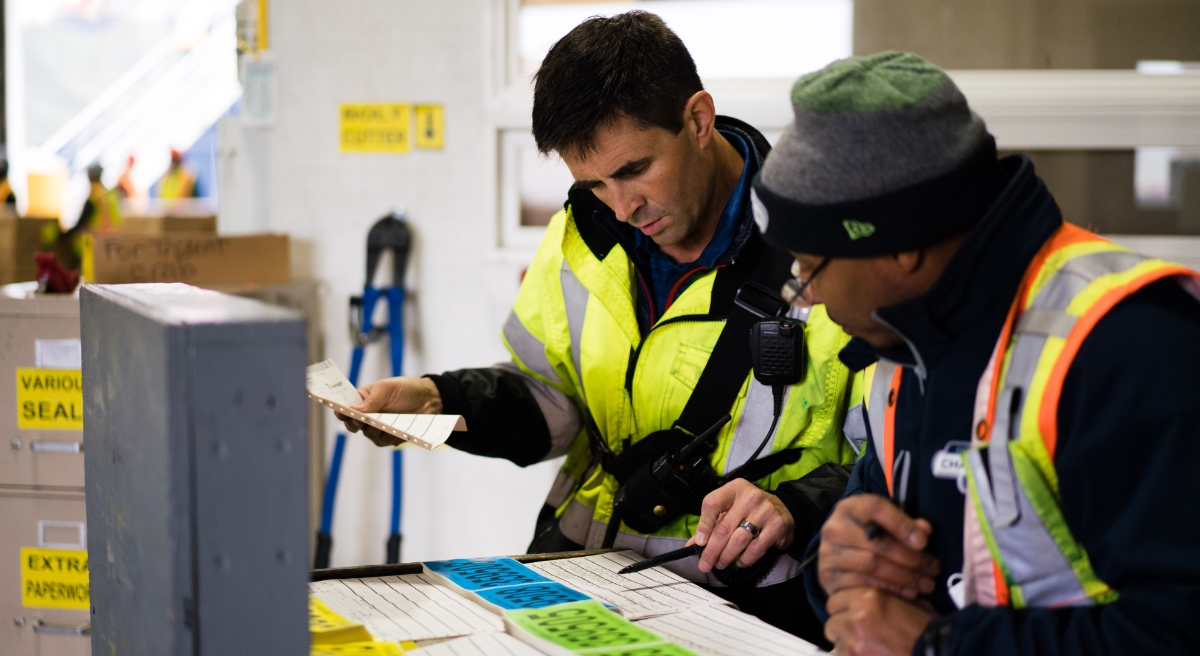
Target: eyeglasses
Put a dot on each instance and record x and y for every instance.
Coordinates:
(794, 289)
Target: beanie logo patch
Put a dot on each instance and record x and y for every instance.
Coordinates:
(858, 229)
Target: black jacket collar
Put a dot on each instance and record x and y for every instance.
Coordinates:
(601, 230)
(986, 270)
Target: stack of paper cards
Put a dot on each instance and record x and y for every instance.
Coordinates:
(490, 644)
(649, 593)
(502, 583)
(722, 631)
(587, 627)
(328, 385)
(409, 607)
(564, 607)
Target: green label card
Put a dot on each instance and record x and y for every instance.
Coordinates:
(652, 650)
(582, 625)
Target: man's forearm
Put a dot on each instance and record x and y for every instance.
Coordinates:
(505, 417)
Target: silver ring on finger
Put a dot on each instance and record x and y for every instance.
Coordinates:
(750, 528)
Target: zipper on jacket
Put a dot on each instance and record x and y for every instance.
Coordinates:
(687, 318)
(635, 353)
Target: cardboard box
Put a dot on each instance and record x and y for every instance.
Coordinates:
(35, 453)
(19, 240)
(159, 225)
(156, 216)
(49, 524)
(193, 258)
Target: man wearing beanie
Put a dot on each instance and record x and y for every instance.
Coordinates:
(1033, 412)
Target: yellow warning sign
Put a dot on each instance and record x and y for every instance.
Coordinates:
(429, 126)
(375, 127)
(54, 578)
(49, 398)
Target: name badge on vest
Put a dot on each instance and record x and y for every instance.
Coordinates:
(948, 462)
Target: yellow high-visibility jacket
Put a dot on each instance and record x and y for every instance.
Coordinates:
(574, 338)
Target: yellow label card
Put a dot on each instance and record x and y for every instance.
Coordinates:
(49, 398)
(358, 649)
(329, 628)
(430, 126)
(375, 127)
(54, 578)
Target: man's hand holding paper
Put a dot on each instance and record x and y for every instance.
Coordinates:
(401, 395)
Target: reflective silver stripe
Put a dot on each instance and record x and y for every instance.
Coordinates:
(575, 523)
(1048, 311)
(528, 348)
(1094, 265)
(881, 385)
(1004, 486)
(562, 417)
(1191, 285)
(575, 299)
(752, 426)
(1046, 322)
(563, 485)
(855, 428)
(1030, 553)
(1031, 556)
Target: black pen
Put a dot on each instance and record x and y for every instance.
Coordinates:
(660, 559)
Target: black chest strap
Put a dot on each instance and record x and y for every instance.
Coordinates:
(745, 293)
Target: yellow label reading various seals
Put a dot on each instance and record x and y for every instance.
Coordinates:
(54, 578)
(49, 398)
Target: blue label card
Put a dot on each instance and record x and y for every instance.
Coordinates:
(534, 595)
(485, 573)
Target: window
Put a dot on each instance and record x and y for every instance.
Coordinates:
(728, 39)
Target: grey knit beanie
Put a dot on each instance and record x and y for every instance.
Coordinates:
(883, 156)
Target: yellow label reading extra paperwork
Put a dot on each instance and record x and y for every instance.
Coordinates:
(49, 398)
(54, 578)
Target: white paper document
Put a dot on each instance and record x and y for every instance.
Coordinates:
(723, 631)
(328, 385)
(488, 644)
(408, 607)
(648, 593)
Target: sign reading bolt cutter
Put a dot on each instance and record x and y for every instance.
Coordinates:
(375, 127)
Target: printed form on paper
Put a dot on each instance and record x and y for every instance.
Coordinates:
(328, 385)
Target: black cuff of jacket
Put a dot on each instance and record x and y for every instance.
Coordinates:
(807, 516)
(453, 402)
(503, 418)
(810, 499)
(935, 641)
(812, 585)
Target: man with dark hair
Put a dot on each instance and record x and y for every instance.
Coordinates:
(629, 337)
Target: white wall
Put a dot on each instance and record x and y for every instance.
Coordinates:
(292, 178)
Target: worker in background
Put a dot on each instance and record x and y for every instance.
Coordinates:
(6, 191)
(1034, 423)
(619, 320)
(101, 213)
(178, 181)
(125, 185)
